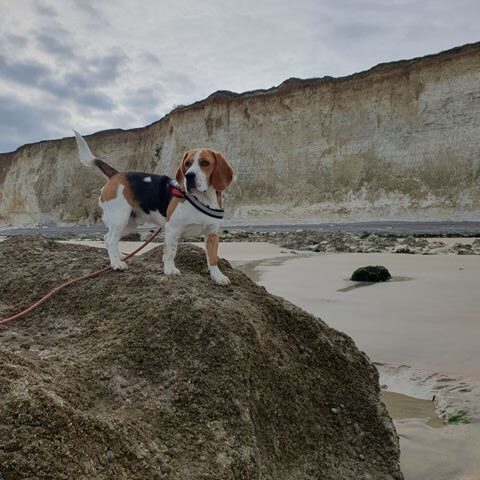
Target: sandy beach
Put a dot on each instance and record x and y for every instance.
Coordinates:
(421, 329)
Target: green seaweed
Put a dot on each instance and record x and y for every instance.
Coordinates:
(458, 418)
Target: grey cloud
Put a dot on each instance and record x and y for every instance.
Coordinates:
(106, 68)
(95, 100)
(91, 73)
(94, 16)
(144, 98)
(356, 30)
(23, 122)
(86, 75)
(15, 40)
(152, 58)
(50, 44)
(45, 10)
(26, 73)
(177, 81)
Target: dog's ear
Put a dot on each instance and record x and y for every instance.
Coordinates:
(222, 174)
(180, 175)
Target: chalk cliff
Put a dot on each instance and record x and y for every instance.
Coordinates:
(399, 141)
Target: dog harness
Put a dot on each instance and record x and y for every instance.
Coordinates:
(195, 202)
(154, 192)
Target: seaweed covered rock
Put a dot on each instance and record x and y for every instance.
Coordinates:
(371, 274)
(137, 375)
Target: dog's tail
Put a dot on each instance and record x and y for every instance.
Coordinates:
(88, 159)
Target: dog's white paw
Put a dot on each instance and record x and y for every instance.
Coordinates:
(218, 277)
(119, 265)
(171, 270)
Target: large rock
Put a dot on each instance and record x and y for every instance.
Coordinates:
(137, 375)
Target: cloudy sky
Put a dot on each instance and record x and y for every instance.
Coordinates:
(93, 65)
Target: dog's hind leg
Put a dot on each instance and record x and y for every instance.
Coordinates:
(131, 226)
(115, 233)
(116, 216)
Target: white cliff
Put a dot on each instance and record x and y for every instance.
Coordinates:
(400, 141)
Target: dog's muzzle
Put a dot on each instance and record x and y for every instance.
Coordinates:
(190, 178)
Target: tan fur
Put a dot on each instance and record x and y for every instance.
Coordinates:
(222, 174)
(172, 206)
(212, 249)
(110, 189)
(180, 175)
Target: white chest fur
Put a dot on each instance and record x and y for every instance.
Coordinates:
(188, 221)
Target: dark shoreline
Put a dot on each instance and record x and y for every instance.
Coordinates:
(397, 228)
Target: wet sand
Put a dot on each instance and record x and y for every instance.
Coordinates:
(427, 317)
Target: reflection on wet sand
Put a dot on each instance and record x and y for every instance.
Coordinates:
(366, 284)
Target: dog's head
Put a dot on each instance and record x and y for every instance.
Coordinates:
(201, 168)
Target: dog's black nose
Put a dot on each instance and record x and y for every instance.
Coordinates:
(190, 177)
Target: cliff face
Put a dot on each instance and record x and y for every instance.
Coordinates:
(399, 141)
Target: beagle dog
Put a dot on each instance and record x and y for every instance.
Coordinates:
(193, 206)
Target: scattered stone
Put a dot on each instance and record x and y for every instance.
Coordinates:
(322, 242)
(371, 274)
(404, 249)
(132, 237)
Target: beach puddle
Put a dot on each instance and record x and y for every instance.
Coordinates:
(405, 407)
(254, 269)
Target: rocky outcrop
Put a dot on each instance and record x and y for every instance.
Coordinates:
(336, 242)
(137, 375)
(401, 140)
(371, 273)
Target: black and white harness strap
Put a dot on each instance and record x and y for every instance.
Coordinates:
(205, 209)
(211, 212)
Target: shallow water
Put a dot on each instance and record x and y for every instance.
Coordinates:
(404, 407)
(416, 328)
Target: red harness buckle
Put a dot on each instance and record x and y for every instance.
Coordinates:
(177, 192)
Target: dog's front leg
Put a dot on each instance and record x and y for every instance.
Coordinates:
(211, 245)
(170, 250)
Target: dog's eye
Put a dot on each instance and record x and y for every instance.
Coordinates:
(204, 163)
(188, 163)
